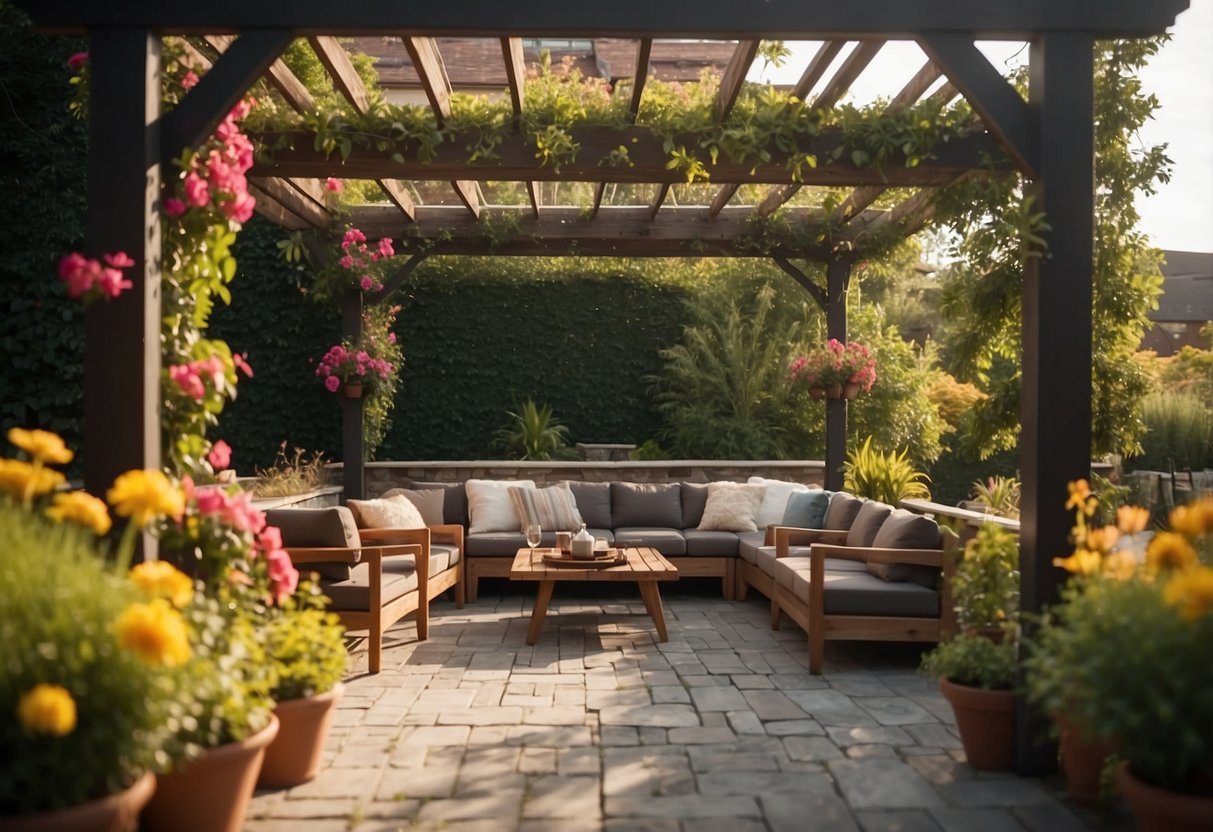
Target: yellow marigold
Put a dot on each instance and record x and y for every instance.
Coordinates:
(1082, 562)
(160, 579)
(1195, 519)
(41, 445)
(1120, 565)
(1080, 497)
(142, 495)
(1132, 519)
(1192, 592)
(25, 481)
(1102, 539)
(155, 631)
(1170, 551)
(83, 508)
(47, 709)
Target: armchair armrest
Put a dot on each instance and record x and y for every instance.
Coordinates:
(418, 537)
(786, 536)
(448, 533)
(303, 554)
(869, 554)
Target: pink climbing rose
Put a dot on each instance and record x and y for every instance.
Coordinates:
(220, 456)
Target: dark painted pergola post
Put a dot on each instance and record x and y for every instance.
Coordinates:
(122, 363)
(1055, 445)
(838, 278)
(352, 445)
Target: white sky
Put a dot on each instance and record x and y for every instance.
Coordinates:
(1180, 215)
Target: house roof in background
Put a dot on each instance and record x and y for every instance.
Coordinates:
(1187, 287)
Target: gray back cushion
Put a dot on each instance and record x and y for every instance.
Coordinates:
(318, 528)
(454, 500)
(430, 503)
(694, 499)
(593, 502)
(805, 509)
(841, 513)
(867, 523)
(907, 530)
(653, 505)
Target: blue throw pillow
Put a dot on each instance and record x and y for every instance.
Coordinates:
(807, 509)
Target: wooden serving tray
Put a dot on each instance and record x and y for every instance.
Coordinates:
(613, 557)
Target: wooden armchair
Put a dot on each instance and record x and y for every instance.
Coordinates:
(441, 547)
(373, 579)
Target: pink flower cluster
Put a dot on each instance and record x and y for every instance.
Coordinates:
(89, 279)
(342, 364)
(191, 377)
(220, 455)
(220, 176)
(358, 258)
(835, 364)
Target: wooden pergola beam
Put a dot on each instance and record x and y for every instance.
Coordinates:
(816, 68)
(639, 77)
(815, 292)
(297, 96)
(515, 72)
(292, 200)
(851, 68)
(733, 78)
(662, 193)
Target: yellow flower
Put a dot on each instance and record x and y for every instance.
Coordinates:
(1120, 565)
(1195, 519)
(155, 631)
(1192, 592)
(47, 709)
(160, 579)
(1170, 551)
(82, 508)
(1132, 519)
(142, 495)
(41, 445)
(1103, 538)
(1081, 498)
(25, 481)
(1082, 562)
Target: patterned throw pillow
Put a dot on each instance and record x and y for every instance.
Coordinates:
(553, 508)
(731, 507)
(386, 513)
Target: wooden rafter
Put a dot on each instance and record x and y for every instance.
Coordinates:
(816, 292)
(662, 193)
(855, 63)
(733, 78)
(640, 77)
(598, 194)
(515, 71)
(347, 81)
(279, 75)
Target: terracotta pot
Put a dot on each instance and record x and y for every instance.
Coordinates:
(211, 793)
(1156, 808)
(1082, 760)
(817, 393)
(118, 812)
(294, 755)
(834, 391)
(986, 722)
(850, 391)
(352, 389)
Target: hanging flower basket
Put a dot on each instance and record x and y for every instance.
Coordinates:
(352, 389)
(835, 371)
(817, 393)
(352, 370)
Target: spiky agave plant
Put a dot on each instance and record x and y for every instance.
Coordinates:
(532, 434)
(999, 495)
(889, 478)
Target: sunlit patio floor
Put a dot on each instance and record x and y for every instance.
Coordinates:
(599, 727)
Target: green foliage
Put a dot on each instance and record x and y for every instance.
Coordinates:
(889, 478)
(1179, 432)
(975, 661)
(57, 615)
(986, 584)
(999, 495)
(42, 153)
(307, 646)
(296, 474)
(953, 473)
(533, 433)
(1189, 371)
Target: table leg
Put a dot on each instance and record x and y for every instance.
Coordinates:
(652, 603)
(541, 610)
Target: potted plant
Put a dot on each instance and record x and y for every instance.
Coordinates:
(1125, 657)
(985, 587)
(836, 370)
(352, 370)
(977, 677)
(307, 648)
(93, 671)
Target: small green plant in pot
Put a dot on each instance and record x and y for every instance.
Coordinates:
(986, 584)
(977, 677)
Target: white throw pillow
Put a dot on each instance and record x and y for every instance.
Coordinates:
(731, 507)
(396, 512)
(775, 500)
(489, 506)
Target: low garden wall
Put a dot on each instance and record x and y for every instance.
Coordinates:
(382, 476)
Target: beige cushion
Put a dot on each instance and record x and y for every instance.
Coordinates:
(731, 507)
(489, 506)
(553, 509)
(867, 523)
(774, 499)
(429, 503)
(386, 513)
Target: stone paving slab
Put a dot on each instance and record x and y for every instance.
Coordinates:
(598, 728)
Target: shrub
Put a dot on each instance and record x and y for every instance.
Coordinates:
(1178, 432)
(889, 478)
(999, 495)
(974, 661)
(307, 646)
(296, 474)
(986, 584)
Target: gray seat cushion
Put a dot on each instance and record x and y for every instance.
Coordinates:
(593, 502)
(867, 523)
(859, 593)
(669, 542)
(354, 593)
(507, 544)
(748, 543)
(801, 566)
(646, 505)
(318, 528)
(694, 499)
(841, 513)
(906, 530)
(710, 543)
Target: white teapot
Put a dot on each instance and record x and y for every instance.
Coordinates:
(583, 544)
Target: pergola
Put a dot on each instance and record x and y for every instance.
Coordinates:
(1047, 138)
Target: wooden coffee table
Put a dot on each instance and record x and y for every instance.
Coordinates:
(645, 567)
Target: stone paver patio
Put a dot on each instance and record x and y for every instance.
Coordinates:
(598, 727)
